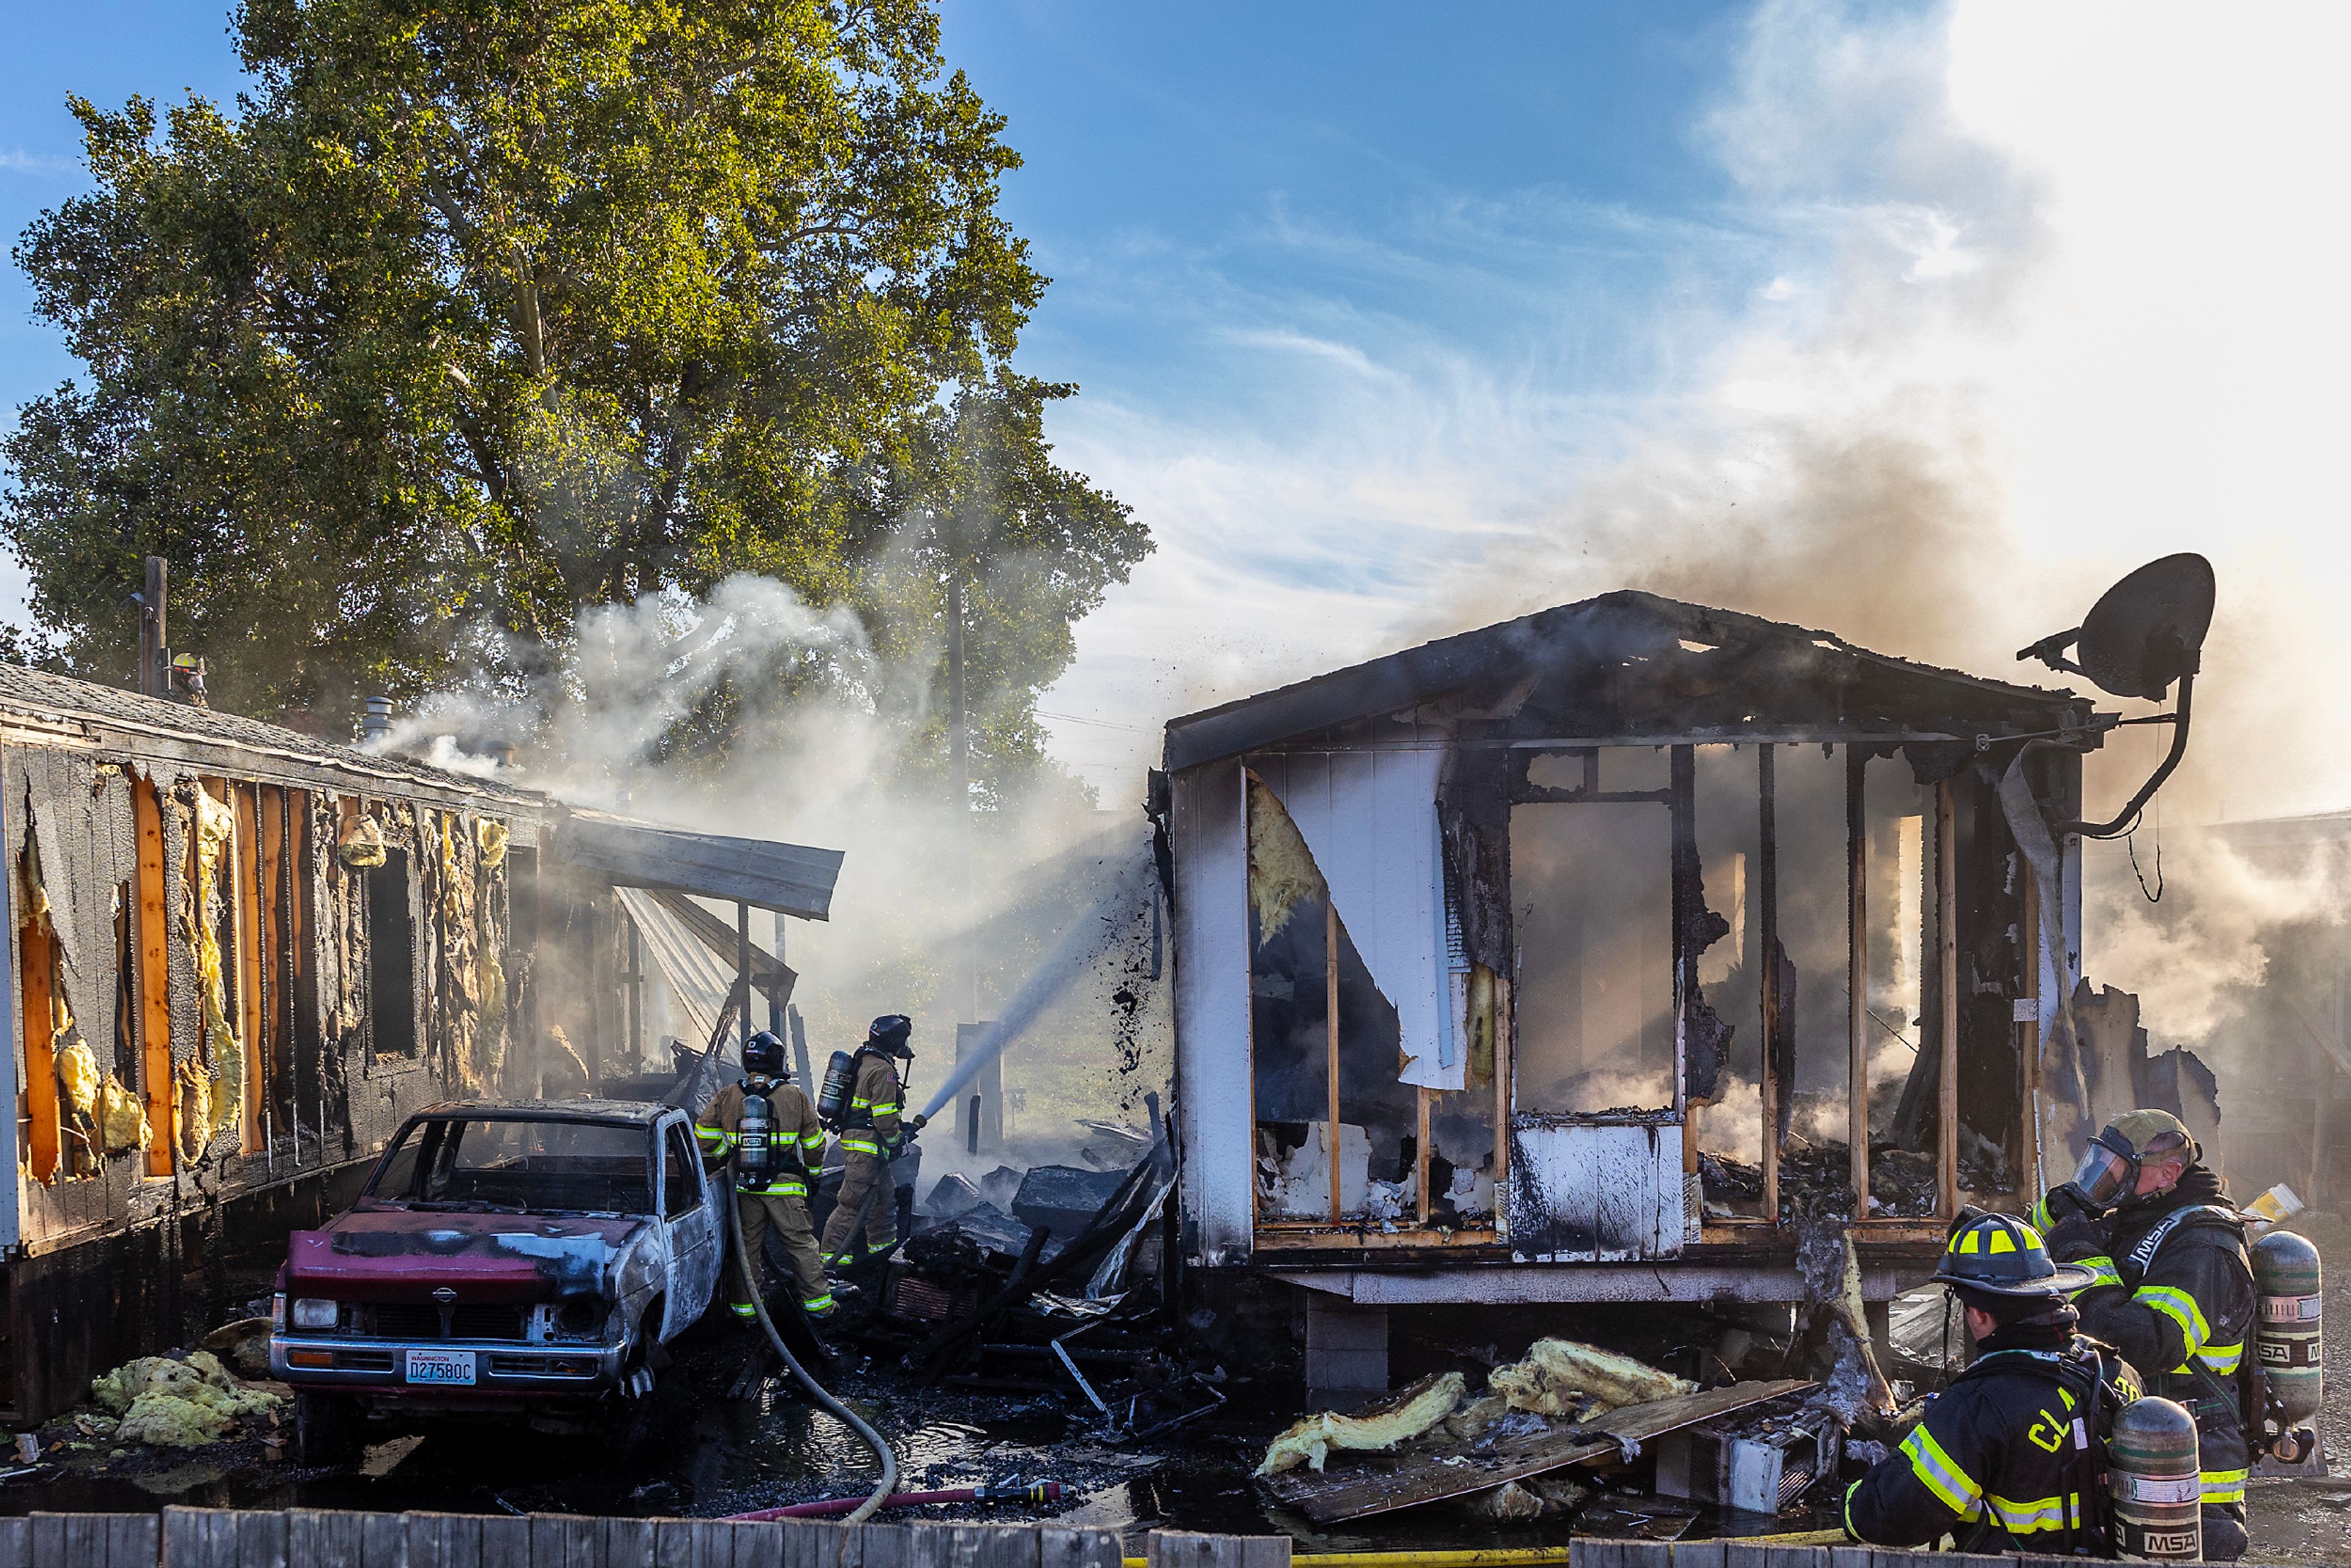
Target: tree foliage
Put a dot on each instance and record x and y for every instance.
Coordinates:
(476, 312)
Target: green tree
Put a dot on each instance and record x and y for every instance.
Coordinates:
(476, 312)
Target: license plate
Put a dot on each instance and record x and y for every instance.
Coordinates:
(441, 1366)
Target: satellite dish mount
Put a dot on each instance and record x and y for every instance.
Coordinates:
(2144, 632)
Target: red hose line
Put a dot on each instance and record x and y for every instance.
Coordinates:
(1052, 1490)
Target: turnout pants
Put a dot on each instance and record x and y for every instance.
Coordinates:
(863, 1176)
(788, 1216)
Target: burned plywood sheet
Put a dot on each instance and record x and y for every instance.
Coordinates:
(1362, 1484)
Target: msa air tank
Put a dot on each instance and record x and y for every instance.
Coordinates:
(2159, 1492)
(839, 1081)
(2286, 1279)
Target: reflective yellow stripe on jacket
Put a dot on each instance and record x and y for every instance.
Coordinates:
(2180, 1307)
(2041, 1513)
(1939, 1474)
(716, 1142)
(2224, 1486)
(859, 1141)
(2221, 1358)
(2101, 1269)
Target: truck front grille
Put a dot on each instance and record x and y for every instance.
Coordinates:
(422, 1320)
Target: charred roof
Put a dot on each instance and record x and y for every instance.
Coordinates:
(1633, 666)
(139, 724)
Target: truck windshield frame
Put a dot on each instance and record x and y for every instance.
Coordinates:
(517, 1164)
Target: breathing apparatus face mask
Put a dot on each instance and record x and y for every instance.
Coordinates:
(2110, 1168)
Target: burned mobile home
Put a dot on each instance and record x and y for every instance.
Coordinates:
(240, 958)
(1582, 957)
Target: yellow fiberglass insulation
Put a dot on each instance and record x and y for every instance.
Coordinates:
(1282, 869)
(362, 845)
(195, 1107)
(200, 919)
(1407, 1416)
(178, 1404)
(1556, 1371)
(121, 1120)
(492, 839)
(77, 1071)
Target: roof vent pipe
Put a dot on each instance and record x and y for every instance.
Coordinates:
(376, 722)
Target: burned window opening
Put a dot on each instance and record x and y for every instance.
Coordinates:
(392, 958)
(1338, 1134)
(1592, 868)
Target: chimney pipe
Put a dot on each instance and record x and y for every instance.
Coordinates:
(376, 722)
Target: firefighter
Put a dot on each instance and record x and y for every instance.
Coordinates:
(2172, 1289)
(773, 1192)
(872, 1131)
(2007, 1458)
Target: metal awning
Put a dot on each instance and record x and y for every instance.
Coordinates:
(791, 879)
(694, 951)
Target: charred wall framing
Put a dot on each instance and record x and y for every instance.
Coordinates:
(1629, 671)
(100, 839)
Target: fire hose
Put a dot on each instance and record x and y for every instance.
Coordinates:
(749, 1271)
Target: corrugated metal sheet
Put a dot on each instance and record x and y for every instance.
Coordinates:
(790, 878)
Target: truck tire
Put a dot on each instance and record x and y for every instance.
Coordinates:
(325, 1428)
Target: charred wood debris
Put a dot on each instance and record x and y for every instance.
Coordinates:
(1045, 1281)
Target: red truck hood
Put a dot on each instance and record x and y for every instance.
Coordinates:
(394, 1255)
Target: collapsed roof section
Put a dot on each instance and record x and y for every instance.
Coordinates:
(791, 879)
(1608, 668)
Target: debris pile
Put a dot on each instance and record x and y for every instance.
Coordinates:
(1501, 1453)
(178, 1404)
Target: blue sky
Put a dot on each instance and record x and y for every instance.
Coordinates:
(1920, 321)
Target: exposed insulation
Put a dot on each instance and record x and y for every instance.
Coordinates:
(77, 1075)
(1282, 869)
(492, 838)
(1558, 1374)
(121, 1119)
(195, 1107)
(199, 918)
(1477, 1415)
(178, 1404)
(363, 844)
(1310, 1442)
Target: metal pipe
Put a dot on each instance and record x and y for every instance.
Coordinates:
(743, 964)
(1947, 1009)
(1857, 975)
(1767, 944)
(1331, 1034)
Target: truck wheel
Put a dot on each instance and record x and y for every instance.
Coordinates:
(325, 1428)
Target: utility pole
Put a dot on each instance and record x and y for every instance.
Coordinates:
(959, 783)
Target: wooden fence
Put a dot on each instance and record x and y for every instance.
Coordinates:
(307, 1538)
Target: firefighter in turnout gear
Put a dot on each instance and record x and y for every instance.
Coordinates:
(2172, 1288)
(2007, 1457)
(872, 1131)
(775, 1195)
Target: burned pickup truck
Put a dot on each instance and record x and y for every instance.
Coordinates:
(519, 1259)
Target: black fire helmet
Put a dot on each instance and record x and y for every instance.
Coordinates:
(891, 1032)
(763, 1056)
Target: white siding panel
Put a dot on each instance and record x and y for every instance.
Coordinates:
(1584, 1194)
(1209, 810)
(1370, 817)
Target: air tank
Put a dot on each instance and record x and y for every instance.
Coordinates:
(2285, 1278)
(2154, 1473)
(754, 1140)
(840, 1081)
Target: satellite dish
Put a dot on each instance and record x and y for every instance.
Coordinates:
(2147, 629)
(2144, 632)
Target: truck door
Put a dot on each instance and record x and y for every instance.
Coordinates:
(696, 1250)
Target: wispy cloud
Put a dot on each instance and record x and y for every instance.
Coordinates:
(47, 165)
